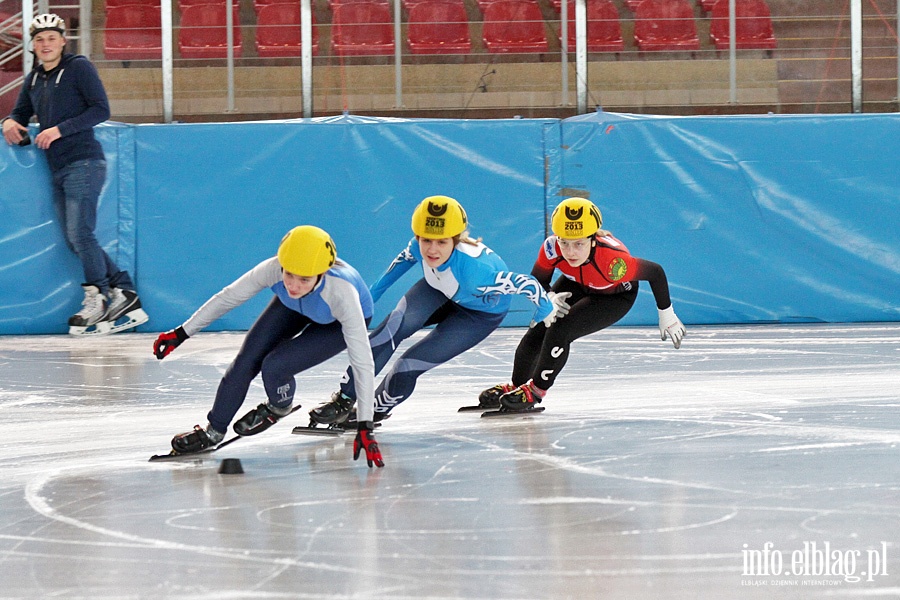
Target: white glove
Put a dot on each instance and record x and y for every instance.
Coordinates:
(560, 307)
(670, 324)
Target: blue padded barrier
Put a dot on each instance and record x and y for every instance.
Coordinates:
(755, 219)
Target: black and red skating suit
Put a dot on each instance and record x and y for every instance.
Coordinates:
(602, 291)
(610, 269)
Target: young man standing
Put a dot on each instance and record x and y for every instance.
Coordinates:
(66, 94)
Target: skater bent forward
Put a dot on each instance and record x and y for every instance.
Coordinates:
(599, 285)
(321, 306)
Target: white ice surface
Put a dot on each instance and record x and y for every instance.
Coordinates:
(650, 475)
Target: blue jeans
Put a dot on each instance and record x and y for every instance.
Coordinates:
(76, 192)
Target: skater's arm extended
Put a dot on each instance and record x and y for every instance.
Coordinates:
(343, 300)
(400, 265)
(669, 323)
(262, 276)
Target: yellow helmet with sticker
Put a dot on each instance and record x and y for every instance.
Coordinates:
(575, 218)
(307, 251)
(438, 217)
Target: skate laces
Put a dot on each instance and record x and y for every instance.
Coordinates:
(93, 303)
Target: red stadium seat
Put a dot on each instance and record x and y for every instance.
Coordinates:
(278, 31)
(334, 3)
(259, 4)
(133, 32)
(438, 27)
(362, 29)
(483, 4)
(117, 3)
(514, 26)
(408, 4)
(752, 23)
(665, 25)
(182, 4)
(604, 32)
(203, 32)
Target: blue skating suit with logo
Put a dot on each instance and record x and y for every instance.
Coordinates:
(474, 277)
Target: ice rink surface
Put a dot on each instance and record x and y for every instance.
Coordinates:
(755, 462)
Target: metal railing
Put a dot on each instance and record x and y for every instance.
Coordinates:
(825, 59)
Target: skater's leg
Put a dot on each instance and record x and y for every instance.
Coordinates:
(315, 344)
(588, 315)
(461, 330)
(416, 309)
(276, 324)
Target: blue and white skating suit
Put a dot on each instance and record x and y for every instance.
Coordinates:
(474, 277)
(466, 298)
(292, 335)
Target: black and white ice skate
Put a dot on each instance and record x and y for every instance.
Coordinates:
(125, 310)
(93, 311)
(122, 311)
(489, 399)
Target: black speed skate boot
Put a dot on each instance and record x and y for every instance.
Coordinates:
(335, 411)
(259, 419)
(521, 399)
(352, 422)
(490, 398)
(196, 440)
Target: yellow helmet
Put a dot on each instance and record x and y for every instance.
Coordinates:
(438, 217)
(575, 218)
(307, 251)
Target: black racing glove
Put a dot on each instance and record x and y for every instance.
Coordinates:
(365, 439)
(168, 341)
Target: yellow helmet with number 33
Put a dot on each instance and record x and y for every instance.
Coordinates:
(307, 251)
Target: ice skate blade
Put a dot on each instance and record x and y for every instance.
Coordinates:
(198, 456)
(322, 431)
(476, 408)
(512, 413)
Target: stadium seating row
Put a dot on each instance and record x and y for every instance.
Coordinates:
(365, 27)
